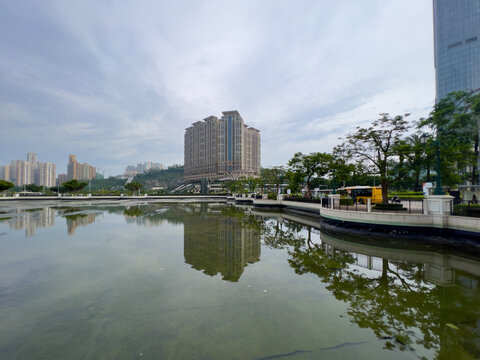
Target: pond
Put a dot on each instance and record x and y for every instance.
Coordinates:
(215, 281)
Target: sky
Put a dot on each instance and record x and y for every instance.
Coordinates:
(117, 82)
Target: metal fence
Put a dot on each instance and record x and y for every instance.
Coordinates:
(465, 208)
(408, 206)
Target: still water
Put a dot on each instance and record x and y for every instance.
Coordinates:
(198, 281)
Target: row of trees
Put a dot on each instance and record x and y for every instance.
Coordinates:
(391, 150)
(73, 186)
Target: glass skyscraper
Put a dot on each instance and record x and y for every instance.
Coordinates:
(456, 26)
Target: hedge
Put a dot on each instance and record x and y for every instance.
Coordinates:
(302, 199)
(395, 207)
(467, 210)
(346, 201)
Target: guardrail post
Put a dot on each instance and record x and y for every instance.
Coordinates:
(369, 205)
(332, 198)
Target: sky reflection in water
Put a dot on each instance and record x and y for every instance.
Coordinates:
(220, 282)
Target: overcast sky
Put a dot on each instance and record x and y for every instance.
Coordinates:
(117, 82)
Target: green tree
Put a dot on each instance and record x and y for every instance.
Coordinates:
(378, 146)
(274, 176)
(307, 167)
(133, 186)
(33, 188)
(58, 189)
(454, 122)
(233, 186)
(74, 185)
(5, 185)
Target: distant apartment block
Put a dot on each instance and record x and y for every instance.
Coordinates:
(61, 179)
(221, 148)
(32, 171)
(141, 168)
(78, 171)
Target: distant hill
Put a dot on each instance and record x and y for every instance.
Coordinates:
(169, 178)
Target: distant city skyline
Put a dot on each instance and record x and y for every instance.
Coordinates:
(117, 83)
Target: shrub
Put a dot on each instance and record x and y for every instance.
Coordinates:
(302, 199)
(410, 195)
(272, 196)
(392, 207)
(467, 210)
(346, 201)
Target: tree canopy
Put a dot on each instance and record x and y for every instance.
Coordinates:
(133, 186)
(74, 185)
(308, 166)
(454, 122)
(379, 147)
(5, 185)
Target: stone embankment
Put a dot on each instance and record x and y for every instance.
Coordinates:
(435, 219)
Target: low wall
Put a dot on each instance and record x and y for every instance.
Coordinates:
(435, 221)
(293, 206)
(440, 224)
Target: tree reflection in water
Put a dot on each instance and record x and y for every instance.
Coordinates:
(397, 303)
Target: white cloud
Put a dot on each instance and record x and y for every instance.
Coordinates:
(118, 82)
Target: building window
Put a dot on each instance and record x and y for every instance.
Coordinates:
(472, 39)
(455, 44)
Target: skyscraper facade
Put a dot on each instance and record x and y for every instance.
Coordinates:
(456, 26)
(221, 148)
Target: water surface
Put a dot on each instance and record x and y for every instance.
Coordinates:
(198, 281)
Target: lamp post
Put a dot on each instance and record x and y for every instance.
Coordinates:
(438, 187)
(334, 191)
(423, 140)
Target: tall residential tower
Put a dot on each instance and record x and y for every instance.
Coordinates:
(221, 148)
(456, 26)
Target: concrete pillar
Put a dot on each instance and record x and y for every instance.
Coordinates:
(437, 204)
(334, 198)
(369, 205)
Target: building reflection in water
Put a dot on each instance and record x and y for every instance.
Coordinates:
(76, 220)
(215, 242)
(32, 219)
(417, 299)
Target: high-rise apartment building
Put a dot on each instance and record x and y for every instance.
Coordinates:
(78, 171)
(61, 179)
(32, 171)
(457, 45)
(221, 148)
(45, 174)
(5, 172)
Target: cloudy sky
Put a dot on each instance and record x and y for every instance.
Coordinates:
(117, 82)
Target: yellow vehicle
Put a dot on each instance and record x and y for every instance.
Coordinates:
(360, 194)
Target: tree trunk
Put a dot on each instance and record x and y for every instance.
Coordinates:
(384, 191)
(417, 181)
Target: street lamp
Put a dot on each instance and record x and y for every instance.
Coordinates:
(423, 140)
(334, 191)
